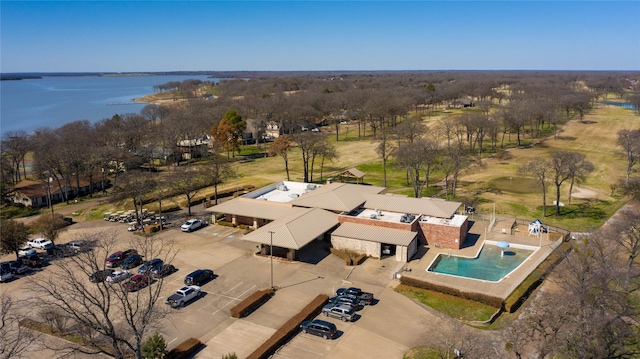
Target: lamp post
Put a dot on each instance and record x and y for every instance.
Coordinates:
(271, 255)
(48, 185)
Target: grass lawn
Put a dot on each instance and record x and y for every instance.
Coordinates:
(454, 307)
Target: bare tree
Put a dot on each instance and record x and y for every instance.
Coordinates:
(625, 231)
(629, 140)
(560, 172)
(14, 339)
(135, 185)
(110, 319)
(189, 180)
(579, 168)
(218, 168)
(281, 147)
(307, 141)
(412, 157)
(16, 145)
(541, 170)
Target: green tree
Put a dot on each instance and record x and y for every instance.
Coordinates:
(230, 130)
(14, 235)
(230, 356)
(154, 347)
(50, 225)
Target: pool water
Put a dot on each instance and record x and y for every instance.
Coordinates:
(489, 265)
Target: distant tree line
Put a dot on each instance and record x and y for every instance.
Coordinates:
(387, 108)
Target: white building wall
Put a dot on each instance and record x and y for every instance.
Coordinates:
(371, 249)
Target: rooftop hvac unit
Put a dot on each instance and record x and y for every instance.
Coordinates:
(294, 195)
(374, 216)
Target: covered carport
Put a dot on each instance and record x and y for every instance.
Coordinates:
(252, 212)
(294, 230)
(376, 241)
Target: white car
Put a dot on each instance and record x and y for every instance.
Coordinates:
(191, 225)
(26, 251)
(118, 276)
(41, 243)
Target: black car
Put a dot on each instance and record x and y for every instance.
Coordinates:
(100, 276)
(365, 298)
(319, 327)
(198, 277)
(154, 264)
(163, 271)
(132, 261)
(60, 251)
(17, 268)
(33, 261)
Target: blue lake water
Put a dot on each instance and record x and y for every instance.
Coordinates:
(53, 101)
(490, 265)
(619, 104)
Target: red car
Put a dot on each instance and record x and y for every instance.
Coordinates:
(116, 258)
(136, 282)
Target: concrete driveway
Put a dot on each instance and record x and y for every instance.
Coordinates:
(384, 330)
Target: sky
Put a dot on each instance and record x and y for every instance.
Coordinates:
(136, 36)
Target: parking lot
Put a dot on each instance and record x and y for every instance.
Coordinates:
(386, 329)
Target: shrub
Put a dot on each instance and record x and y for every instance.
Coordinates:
(478, 297)
(289, 329)
(154, 347)
(226, 224)
(251, 303)
(185, 350)
(357, 260)
(341, 254)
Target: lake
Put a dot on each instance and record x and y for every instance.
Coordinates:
(53, 101)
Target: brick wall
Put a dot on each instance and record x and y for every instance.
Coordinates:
(445, 236)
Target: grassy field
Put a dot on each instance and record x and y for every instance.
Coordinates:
(495, 181)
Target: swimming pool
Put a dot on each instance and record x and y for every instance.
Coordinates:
(488, 265)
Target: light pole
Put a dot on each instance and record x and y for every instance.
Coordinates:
(271, 255)
(48, 185)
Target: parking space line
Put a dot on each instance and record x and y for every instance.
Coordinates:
(172, 340)
(231, 299)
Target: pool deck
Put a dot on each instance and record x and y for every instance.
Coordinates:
(478, 233)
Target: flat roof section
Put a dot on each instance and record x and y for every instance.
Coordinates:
(375, 234)
(402, 204)
(378, 215)
(282, 192)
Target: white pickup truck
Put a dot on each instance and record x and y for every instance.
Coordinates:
(184, 295)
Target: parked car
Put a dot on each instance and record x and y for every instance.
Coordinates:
(191, 225)
(116, 258)
(184, 295)
(100, 276)
(40, 243)
(136, 282)
(118, 276)
(79, 246)
(198, 277)
(5, 272)
(59, 251)
(350, 300)
(163, 271)
(132, 261)
(26, 251)
(365, 298)
(17, 268)
(319, 327)
(342, 312)
(33, 261)
(154, 264)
